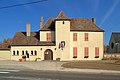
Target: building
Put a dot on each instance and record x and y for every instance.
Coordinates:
(60, 38)
(114, 43)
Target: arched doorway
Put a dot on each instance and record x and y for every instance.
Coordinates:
(48, 54)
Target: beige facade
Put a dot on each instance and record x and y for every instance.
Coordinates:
(95, 40)
(5, 54)
(61, 44)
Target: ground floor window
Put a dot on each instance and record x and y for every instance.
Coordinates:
(74, 52)
(22, 52)
(15, 53)
(86, 52)
(35, 52)
(96, 52)
(31, 52)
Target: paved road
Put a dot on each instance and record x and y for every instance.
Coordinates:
(53, 75)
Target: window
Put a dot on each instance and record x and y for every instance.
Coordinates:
(48, 36)
(86, 52)
(74, 52)
(26, 52)
(31, 52)
(35, 52)
(86, 36)
(17, 52)
(112, 45)
(63, 22)
(74, 36)
(96, 52)
(13, 52)
(22, 52)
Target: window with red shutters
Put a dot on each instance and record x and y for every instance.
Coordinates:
(86, 36)
(74, 52)
(48, 36)
(86, 52)
(96, 52)
(74, 36)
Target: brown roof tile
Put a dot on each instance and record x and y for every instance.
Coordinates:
(77, 24)
(61, 15)
(20, 39)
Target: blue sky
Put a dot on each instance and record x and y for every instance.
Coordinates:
(107, 13)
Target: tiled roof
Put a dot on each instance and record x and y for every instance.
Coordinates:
(83, 24)
(4, 45)
(21, 39)
(76, 24)
(50, 25)
(61, 15)
(116, 36)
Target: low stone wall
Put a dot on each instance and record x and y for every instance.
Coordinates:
(4, 54)
(112, 56)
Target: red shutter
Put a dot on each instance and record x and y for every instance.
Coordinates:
(48, 36)
(74, 51)
(96, 51)
(86, 36)
(74, 36)
(86, 51)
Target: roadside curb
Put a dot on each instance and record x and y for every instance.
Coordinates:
(90, 71)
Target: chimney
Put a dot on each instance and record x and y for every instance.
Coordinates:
(28, 29)
(94, 20)
(41, 21)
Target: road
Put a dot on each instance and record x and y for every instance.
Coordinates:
(53, 75)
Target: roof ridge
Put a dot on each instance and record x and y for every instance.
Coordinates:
(61, 15)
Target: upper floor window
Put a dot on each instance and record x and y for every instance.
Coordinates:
(74, 36)
(86, 52)
(86, 36)
(96, 52)
(74, 52)
(48, 36)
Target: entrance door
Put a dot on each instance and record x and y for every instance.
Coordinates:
(48, 54)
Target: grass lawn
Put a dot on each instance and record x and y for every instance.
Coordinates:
(101, 65)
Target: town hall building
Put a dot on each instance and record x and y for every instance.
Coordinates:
(61, 38)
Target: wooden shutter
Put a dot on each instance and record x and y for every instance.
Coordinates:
(48, 35)
(86, 51)
(86, 36)
(74, 51)
(96, 51)
(74, 36)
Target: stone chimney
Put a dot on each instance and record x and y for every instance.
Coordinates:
(28, 29)
(41, 21)
(94, 20)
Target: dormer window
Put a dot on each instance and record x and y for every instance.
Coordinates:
(63, 22)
